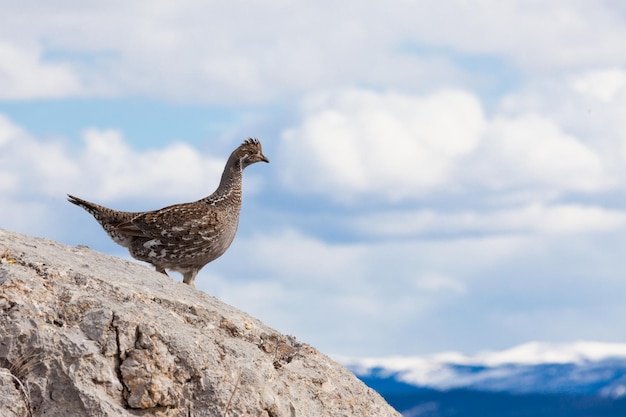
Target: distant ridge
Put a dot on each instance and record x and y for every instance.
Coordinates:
(579, 379)
(583, 366)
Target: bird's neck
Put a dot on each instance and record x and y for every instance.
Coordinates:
(230, 184)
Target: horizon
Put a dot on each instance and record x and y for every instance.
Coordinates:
(442, 177)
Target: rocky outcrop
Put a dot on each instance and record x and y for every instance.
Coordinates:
(85, 334)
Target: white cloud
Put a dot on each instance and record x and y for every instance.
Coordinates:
(378, 293)
(305, 261)
(363, 289)
(403, 276)
(103, 167)
(9, 132)
(439, 283)
(587, 106)
(24, 74)
(561, 34)
(115, 170)
(532, 151)
(384, 295)
(603, 85)
(419, 129)
(29, 166)
(537, 353)
(360, 142)
(532, 218)
(214, 52)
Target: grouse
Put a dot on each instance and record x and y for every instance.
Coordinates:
(183, 237)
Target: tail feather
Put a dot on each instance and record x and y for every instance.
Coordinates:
(93, 209)
(108, 218)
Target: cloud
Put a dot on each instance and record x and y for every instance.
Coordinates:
(116, 171)
(394, 287)
(380, 274)
(102, 167)
(587, 106)
(29, 166)
(603, 85)
(490, 289)
(214, 53)
(361, 143)
(25, 75)
(478, 151)
(439, 283)
(536, 37)
(532, 151)
(528, 219)
(361, 288)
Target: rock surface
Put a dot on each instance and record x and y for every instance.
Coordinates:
(85, 334)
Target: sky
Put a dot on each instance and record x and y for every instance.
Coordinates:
(444, 176)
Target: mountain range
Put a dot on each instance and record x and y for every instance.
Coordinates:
(580, 379)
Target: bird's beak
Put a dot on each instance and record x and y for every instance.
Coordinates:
(264, 158)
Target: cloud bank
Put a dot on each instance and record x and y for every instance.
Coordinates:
(246, 52)
(454, 166)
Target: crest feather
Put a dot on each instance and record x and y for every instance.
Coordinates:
(251, 141)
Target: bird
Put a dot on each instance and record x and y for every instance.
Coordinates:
(183, 237)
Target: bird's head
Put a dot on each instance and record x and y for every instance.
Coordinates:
(249, 152)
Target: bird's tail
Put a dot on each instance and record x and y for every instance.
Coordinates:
(95, 210)
(108, 218)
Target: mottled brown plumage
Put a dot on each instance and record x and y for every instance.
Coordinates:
(183, 237)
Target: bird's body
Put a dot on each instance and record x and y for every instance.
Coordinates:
(183, 237)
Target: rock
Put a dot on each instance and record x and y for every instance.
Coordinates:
(13, 395)
(87, 334)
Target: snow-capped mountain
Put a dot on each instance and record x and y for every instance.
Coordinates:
(566, 374)
(580, 367)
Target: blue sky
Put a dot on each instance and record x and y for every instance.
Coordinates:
(443, 176)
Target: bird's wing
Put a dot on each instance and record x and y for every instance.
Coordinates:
(173, 222)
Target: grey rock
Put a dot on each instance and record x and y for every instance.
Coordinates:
(13, 395)
(87, 334)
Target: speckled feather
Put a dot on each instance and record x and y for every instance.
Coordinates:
(183, 237)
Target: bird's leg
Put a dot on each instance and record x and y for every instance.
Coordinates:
(161, 270)
(189, 277)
